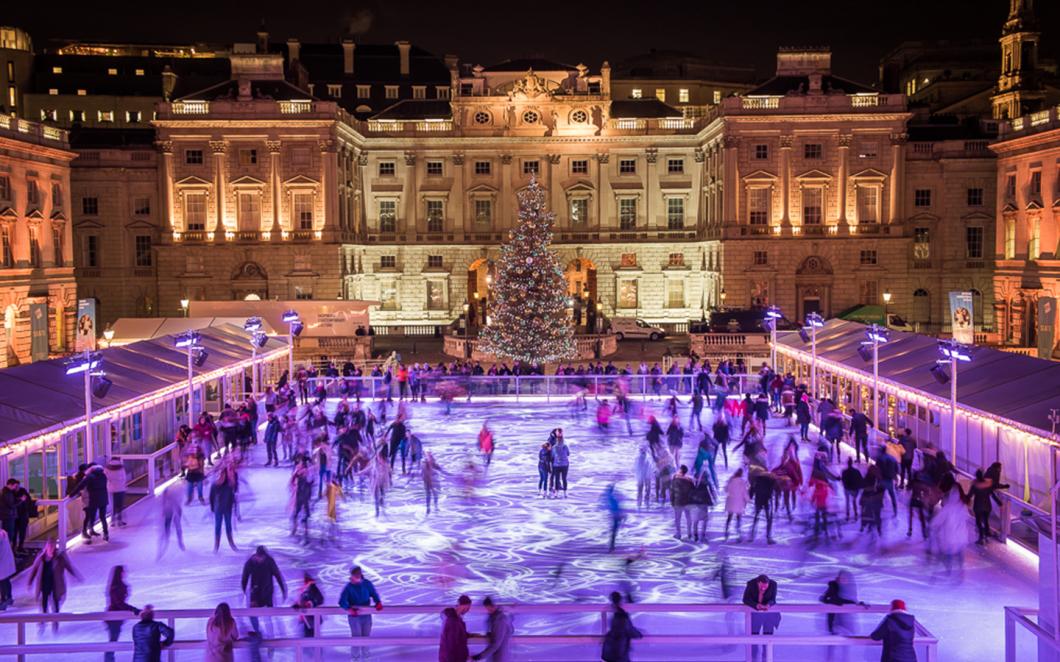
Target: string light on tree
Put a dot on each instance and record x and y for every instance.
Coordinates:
(528, 320)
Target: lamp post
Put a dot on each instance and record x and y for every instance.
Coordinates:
(467, 323)
(88, 364)
(875, 335)
(257, 339)
(294, 328)
(108, 335)
(184, 303)
(772, 315)
(886, 303)
(951, 352)
(814, 321)
(189, 341)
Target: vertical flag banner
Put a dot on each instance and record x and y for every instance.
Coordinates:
(962, 318)
(85, 339)
(38, 331)
(1046, 327)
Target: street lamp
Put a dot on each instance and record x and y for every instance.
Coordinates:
(875, 336)
(90, 364)
(294, 329)
(190, 341)
(257, 339)
(886, 302)
(814, 321)
(184, 303)
(772, 315)
(951, 352)
(723, 295)
(467, 323)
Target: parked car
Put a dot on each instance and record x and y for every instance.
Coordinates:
(898, 324)
(749, 320)
(632, 327)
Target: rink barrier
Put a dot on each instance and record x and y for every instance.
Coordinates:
(21, 649)
(1021, 616)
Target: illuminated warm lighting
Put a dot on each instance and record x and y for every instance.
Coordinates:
(284, 235)
(176, 236)
(776, 229)
(209, 236)
(229, 235)
(266, 235)
(886, 297)
(318, 234)
(184, 303)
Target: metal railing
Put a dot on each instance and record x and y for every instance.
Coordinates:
(1021, 616)
(185, 621)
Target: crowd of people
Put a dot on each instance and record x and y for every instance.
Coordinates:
(333, 447)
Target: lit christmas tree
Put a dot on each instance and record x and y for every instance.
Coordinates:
(528, 316)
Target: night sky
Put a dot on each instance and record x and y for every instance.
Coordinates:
(744, 33)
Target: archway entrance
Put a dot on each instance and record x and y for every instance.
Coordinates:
(480, 276)
(250, 279)
(813, 287)
(580, 275)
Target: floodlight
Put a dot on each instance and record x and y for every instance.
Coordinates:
(939, 373)
(865, 352)
(184, 340)
(814, 319)
(876, 334)
(259, 339)
(949, 349)
(100, 386)
(200, 357)
(296, 328)
(252, 324)
(290, 316)
(81, 364)
(773, 312)
(804, 335)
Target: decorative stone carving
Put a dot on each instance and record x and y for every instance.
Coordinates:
(506, 159)
(166, 146)
(787, 141)
(326, 145)
(362, 159)
(554, 159)
(731, 142)
(603, 158)
(699, 155)
(458, 159)
(410, 158)
(844, 139)
(218, 146)
(273, 146)
(899, 138)
(530, 87)
(651, 154)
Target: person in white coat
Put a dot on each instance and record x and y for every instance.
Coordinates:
(737, 496)
(117, 481)
(7, 570)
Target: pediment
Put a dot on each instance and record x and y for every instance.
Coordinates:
(1056, 203)
(88, 225)
(813, 175)
(35, 215)
(579, 186)
(760, 176)
(1034, 204)
(59, 215)
(140, 225)
(7, 211)
(482, 188)
(924, 217)
(869, 173)
(1009, 208)
(246, 181)
(976, 216)
(301, 180)
(192, 180)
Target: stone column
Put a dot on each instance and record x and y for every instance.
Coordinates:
(165, 174)
(220, 185)
(411, 197)
(786, 142)
(603, 190)
(274, 184)
(554, 192)
(505, 210)
(461, 221)
(698, 181)
(731, 189)
(897, 176)
(329, 185)
(843, 144)
(362, 193)
(651, 188)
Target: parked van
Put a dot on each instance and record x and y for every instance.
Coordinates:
(632, 327)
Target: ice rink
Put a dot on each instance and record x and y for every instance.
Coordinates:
(497, 536)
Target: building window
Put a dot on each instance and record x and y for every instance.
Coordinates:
(676, 260)
(57, 197)
(627, 166)
(760, 258)
(334, 90)
(81, 92)
(682, 95)
(139, 72)
(142, 250)
(675, 213)
(142, 206)
(7, 258)
(105, 115)
(77, 116)
(868, 204)
(388, 215)
(193, 156)
(758, 205)
(388, 262)
(133, 116)
(1010, 187)
(91, 251)
(441, 92)
(483, 213)
(435, 215)
(466, 89)
(53, 91)
(812, 151)
(637, 93)
(675, 293)
(303, 210)
(434, 168)
(249, 212)
(388, 296)
(482, 168)
(112, 71)
(628, 260)
(922, 197)
(579, 167)
(973, 242)
(812, 206)
(868, 258)
(387, 168)
(717, 97)
(869, 293)
(1010, 239)
(761, 152)
(660, 94)
(1036, 184)
(627, 213)
(34, 246)
(975, 197)
(419, 92)
(436, 299)
(32, 193)
(675, 166)
(434, 261)
(627, 294)
(364, 91)
(391, 91)
(530, 117)
(579, 212)
(57, 70)
(531, 167)
(5, 188)
(302, 294)
(57, 245)
(1034, 226)
(921, 244)
(248, 157)
(195, 211)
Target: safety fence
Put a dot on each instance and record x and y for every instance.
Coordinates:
(703, 627)
(1047, 644)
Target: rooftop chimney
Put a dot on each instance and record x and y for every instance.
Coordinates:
(347, 56)
(403, 51)
(293, 50)
(263, 39)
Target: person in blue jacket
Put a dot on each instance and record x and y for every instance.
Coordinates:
(358, 594)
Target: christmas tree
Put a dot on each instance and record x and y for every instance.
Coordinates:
(528, 316)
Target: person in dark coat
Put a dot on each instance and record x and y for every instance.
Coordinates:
(150, 637)
(117, 600)
(258, 574)
(453, 644)
(95, 485)
(222, 503)
(896, 631)
(760, 594)
(309, 598)
(619, 637)
(859, 429)
(762, 488)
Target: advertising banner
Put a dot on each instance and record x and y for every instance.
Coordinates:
(962, 318)
(1046, 327)
(85, 339)
(38, 331)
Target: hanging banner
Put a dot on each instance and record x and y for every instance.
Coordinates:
(961, 317)
(38, 331)
(1046, 327)
(86, 325)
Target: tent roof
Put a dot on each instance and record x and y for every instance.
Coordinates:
(39, 396)
(1011, 386)
(133, 329)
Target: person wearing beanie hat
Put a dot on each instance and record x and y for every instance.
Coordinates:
(896, 631)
